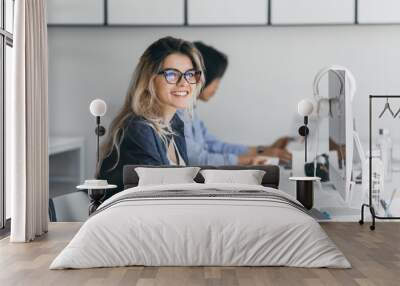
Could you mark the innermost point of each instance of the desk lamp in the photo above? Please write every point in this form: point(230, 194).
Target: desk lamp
point(98, 108)
point(305, 108)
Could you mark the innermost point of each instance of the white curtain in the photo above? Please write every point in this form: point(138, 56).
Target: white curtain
point(27, 124)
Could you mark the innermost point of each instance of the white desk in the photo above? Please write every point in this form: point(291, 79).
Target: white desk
point(326, 199)
point(62, 146)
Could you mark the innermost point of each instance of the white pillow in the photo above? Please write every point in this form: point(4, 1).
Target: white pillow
point(248, 177)
point(162, 176)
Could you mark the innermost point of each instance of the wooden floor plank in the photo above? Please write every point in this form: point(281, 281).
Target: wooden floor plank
point(375, 257)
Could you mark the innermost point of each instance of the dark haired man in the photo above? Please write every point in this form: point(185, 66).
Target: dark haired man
point(204, 148)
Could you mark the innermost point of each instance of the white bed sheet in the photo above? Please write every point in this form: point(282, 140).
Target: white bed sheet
point(200, 231)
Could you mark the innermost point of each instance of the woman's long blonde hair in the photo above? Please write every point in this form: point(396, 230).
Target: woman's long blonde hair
point(141, 99)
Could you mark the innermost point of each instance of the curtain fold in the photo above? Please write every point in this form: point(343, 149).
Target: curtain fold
point(27, 123)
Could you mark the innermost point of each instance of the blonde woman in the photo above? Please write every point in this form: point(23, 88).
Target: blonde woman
point(147, 130)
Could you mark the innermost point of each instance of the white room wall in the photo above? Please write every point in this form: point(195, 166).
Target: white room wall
point(270, 70)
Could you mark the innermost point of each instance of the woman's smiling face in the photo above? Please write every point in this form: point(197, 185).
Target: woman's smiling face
point(178, 95)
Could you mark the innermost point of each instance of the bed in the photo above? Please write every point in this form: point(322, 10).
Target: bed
point(198, 224)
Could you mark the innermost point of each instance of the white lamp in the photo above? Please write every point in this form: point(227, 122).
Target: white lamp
point(98, 108)
point(305, 108)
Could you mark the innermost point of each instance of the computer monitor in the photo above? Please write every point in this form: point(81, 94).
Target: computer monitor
point(341, 133)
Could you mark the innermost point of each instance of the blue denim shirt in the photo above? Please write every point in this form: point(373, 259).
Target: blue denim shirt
point(203, 148)
point(141, 145)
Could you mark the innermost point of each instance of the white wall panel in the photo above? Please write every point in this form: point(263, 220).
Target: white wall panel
point(378, 11)
point(227, 12)
point(149, 12)
point(75, 11)
point(292, 12)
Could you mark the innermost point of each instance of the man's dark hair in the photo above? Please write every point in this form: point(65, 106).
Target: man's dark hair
point(215, 62)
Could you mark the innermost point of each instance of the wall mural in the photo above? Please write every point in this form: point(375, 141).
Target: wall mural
point(324, 165)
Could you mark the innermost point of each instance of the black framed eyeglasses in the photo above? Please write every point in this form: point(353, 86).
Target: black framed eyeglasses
point(174, 76)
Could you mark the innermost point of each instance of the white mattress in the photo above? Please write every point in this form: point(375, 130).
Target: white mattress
point(189, 231)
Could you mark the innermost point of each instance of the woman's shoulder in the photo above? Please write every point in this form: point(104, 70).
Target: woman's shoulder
point(138, 126)
point(134, 121)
